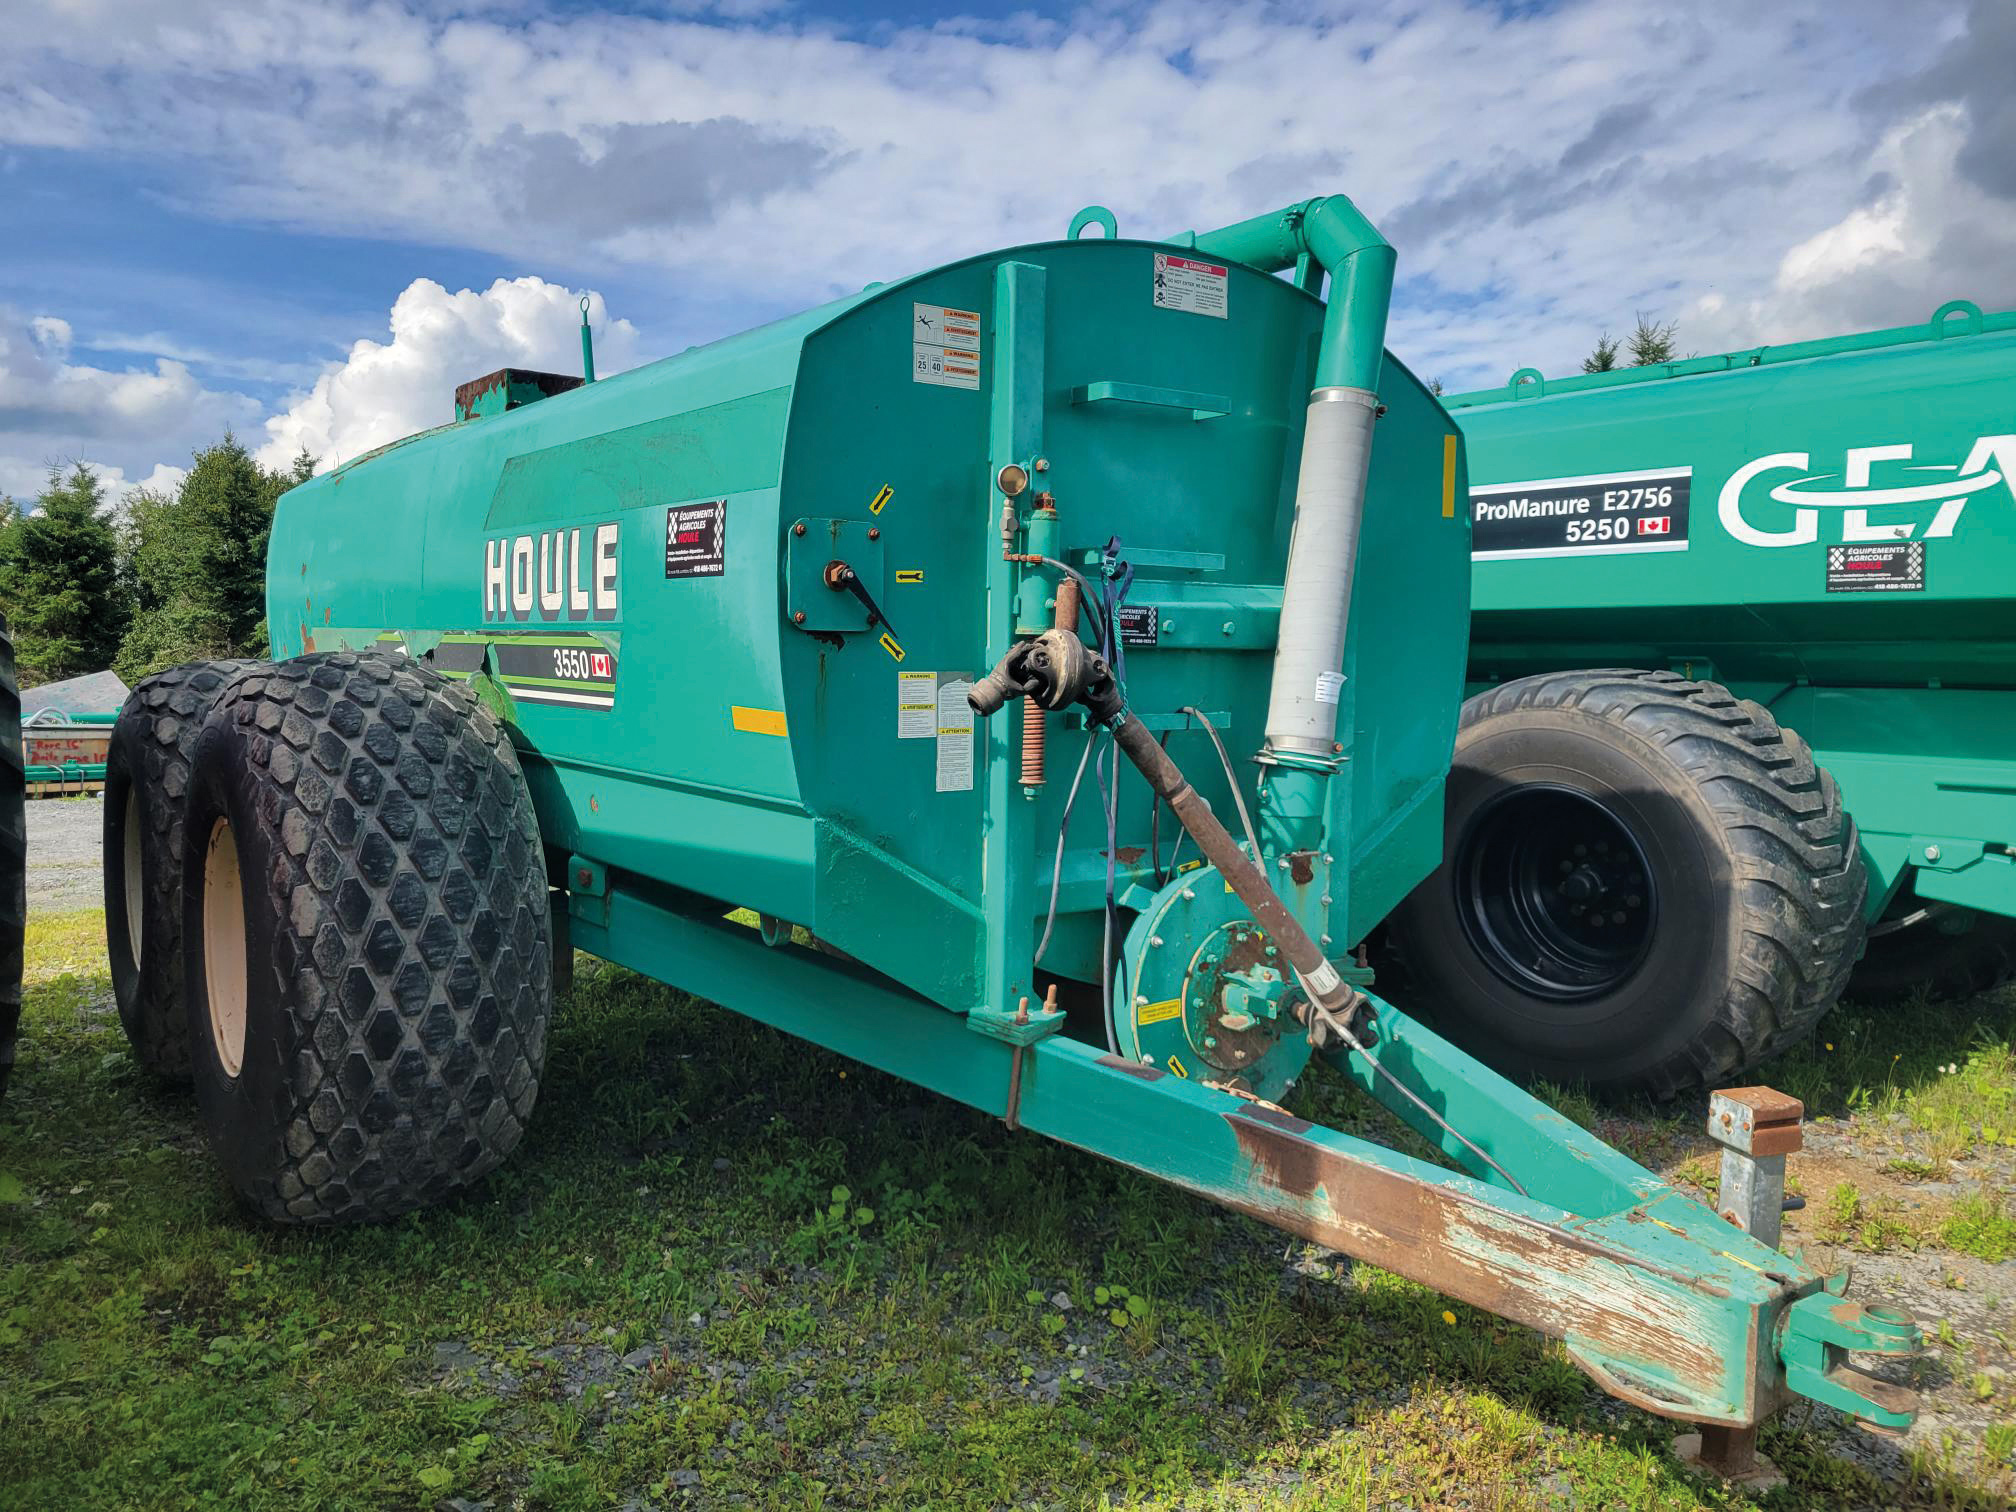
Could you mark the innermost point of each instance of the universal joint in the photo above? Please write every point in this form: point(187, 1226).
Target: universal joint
point(1056, 669)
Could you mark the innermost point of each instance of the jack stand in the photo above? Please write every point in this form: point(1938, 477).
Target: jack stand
point(1756, 1128)
point(1728, 1454)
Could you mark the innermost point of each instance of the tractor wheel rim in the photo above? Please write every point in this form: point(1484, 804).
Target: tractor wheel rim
point(1554, 893)
point(133, 891)
point(224, 948)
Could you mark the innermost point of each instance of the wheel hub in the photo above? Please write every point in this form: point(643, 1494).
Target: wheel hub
point(1555, 893)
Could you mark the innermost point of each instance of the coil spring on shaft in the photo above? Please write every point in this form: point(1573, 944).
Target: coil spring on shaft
point(1035, 743)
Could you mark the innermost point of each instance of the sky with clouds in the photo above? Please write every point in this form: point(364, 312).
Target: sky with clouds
point(307, 220)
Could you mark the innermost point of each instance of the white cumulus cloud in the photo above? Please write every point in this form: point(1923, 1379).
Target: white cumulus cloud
point(388, 389)
point(1924, 234)
point(55, 411)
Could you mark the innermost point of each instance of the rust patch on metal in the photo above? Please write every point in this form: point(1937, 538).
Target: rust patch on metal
point(1302, 867)
point(1132, 1068)
point(1127, 855)
point(547, 385)
point(1546, 1276)
point(1281, 1118)
point(466, 394)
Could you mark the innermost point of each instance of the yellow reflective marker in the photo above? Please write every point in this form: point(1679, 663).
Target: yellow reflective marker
point(889, 644)
point(1157, 1013)
point(910, 575)
point(758, 721)
point(875, 504)
point(1449, 476)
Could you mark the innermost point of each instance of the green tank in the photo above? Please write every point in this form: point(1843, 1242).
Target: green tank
point(880, 674)
point(1799, 557)
point(633, 572)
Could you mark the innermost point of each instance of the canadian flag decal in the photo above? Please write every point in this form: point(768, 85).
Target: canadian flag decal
point(1656, 525)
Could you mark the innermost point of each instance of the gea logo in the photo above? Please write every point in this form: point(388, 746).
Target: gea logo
point(1945, 488)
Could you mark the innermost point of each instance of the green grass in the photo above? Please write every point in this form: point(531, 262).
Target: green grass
point(870, 1271)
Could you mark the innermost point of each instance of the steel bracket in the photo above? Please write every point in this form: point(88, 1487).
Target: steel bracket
point(1814, 1339)
point(1018, 1028)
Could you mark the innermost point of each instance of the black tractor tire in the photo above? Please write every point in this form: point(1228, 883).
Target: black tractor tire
point(13, 855)
point(1647, 885)
point(146, 782)
point(367, 974)
point(1941, 949)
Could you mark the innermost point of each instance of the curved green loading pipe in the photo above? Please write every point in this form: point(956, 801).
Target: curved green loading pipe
point(1303, 699)
point(1360, 261)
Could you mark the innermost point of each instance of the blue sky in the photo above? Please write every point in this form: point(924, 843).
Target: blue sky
point(307, 219)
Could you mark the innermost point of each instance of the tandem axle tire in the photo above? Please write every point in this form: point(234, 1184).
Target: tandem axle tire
point(1646, 884)
point(146, 783)
point(368, 982)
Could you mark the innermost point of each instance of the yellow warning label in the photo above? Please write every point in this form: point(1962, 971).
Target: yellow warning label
point(1158, 1013)
point(758, 721)
point(1449, 476)
point(889, 644)
point(910, 575)
point(1177, 1068)
point(875, 505)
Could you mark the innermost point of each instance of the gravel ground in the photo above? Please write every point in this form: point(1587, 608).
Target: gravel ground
point(64, 836)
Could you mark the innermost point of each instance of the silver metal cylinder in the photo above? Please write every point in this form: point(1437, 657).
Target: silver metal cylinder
point(1322, 559)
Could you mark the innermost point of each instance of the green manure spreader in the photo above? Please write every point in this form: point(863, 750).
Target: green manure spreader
point(925, 628)
point(1743, 660)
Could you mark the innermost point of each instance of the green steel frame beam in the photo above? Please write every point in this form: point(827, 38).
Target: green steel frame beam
point(1664, 1304)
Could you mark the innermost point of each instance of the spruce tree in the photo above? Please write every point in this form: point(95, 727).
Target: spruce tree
point(198, 560)
point(1651, 343)
point(1604, 358)
point(61, 587)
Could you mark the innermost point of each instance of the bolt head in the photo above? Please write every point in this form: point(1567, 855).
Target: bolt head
point(798, 529)
point(798, 618)
point(1042, 464)
point(874, 532)
point(584, 876)
point(1931, 853)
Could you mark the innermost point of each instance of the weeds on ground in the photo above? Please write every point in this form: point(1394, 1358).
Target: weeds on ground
point(728, 1266)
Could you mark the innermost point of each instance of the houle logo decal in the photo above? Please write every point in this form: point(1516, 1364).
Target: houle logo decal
point(567, 574)
point(1903, 495)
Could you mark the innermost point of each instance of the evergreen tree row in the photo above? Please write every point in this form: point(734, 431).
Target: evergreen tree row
point(180, 577)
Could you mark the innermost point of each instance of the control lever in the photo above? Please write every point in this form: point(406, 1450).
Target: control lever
point(844, 579)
